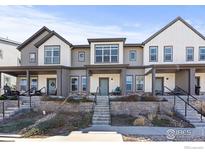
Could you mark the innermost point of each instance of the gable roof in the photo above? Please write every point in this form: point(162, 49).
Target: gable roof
point(170, 24)
point(52, 33)
point(39, 32)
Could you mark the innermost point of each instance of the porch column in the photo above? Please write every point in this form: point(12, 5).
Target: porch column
point(88, 81)
point(153, 80)
point(122, 81)
point(59, 82)
point(192, 81)
point(28, 79)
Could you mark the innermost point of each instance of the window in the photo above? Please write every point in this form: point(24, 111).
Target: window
point(81, 56)
point(23, 83)
point(32, 57)
point(139, 83)
point(189, 54)
point(74, 83)
point(84, 83)
point(52, 54)
point(168, 54)
point(153, 51)
point(128, 83)
point(34, 83)
point(7, 80)
point(106, 53)
point(202, 53)
point(132, 55)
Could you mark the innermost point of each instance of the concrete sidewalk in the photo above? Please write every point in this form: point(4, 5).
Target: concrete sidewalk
point(149, 131)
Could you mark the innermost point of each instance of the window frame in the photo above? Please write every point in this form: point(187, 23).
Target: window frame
point(85, 83)
point(199, 53)
point(136, 83)
point(52, 55)
point(71, 77)
point(150, 53)
point(81, 52)
point(131, 83)
point(130, 52)
point(187, 54)
point(171, 47)
point(30, 61)
point(103, 55)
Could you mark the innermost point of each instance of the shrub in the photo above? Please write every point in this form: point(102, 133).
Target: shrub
point(140, 121)
point(33, 132)
point(3, 97)
point(161, 122)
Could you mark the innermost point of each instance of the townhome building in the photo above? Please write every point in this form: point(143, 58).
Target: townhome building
point(173, 56)
point(9, 56)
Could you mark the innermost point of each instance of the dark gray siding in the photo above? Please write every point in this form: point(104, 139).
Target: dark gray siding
point(74, 57)
point(139, 57)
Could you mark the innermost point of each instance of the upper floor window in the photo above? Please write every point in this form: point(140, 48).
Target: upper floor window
point(84, 83)
point(32, 57)
point(81, 56)
point(52, 54)
point(168, 53)
point(106, 53)
point(74, 83)
point(153, 53)
point(132, 55)
point(129, 79)
point(189, 54)
point(201, 53)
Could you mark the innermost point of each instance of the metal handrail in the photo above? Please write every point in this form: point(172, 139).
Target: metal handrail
point(95, 98)
point(187, 93)
point(186, 103)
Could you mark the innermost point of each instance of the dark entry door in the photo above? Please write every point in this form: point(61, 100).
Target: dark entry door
point(51, 86)
point(104, 86)
point(159, 86)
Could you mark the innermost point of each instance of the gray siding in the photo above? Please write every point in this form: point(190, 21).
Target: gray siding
point(31, 48)
point(182, 79)
point(74, 57)
point(139, 57)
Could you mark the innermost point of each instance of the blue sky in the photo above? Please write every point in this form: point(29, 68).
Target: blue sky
point(77, 23)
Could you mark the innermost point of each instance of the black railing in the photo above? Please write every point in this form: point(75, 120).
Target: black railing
point(185, 101)
point(96, 93)
point(186, 93)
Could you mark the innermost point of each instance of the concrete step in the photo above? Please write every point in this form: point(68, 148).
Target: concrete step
point(101, 119)
point(101, 122)
point(199, 124)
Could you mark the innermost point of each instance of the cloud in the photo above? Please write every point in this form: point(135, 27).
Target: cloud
point(20, 22)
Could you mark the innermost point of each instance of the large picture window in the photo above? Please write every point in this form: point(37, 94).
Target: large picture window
point(153, 53)
point(139, 83)
point(52, 54)
point(168, 53)
point(129, 79)
point(106, 53)
point(74, 84)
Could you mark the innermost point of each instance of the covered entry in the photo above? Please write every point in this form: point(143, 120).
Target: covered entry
point(104, 86)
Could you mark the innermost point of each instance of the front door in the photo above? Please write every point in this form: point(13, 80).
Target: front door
point(159, 84)
point(51, 86)
point(104, 86)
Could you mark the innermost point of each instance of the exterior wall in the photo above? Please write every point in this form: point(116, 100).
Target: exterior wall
point(10, 55)
point(74, 57)
point(179, 36)
point(202, 81)
point(65, 51)
point(139, 56)
point(42, 80)
point(92, 52)
point(31, 48)
point(182, 79)
point(94, 81)
point(169, 81)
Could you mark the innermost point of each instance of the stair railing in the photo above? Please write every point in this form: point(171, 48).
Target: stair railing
point(186, 103)
point(96, 93)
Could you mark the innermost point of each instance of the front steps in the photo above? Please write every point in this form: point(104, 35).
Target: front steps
point(101, 114)
point(192, 116)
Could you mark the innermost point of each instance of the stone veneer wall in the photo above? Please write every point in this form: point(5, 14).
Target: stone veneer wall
point(52, 106)
point(139, 108)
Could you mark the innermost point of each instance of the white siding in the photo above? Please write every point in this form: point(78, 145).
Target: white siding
point(179, 36)
point(92, 52)
point(94, 81)
point(65, 51)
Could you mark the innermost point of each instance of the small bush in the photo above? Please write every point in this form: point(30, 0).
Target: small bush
point(32, 132)
point(161, 122)
point(140, 121)
point(3, 97)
